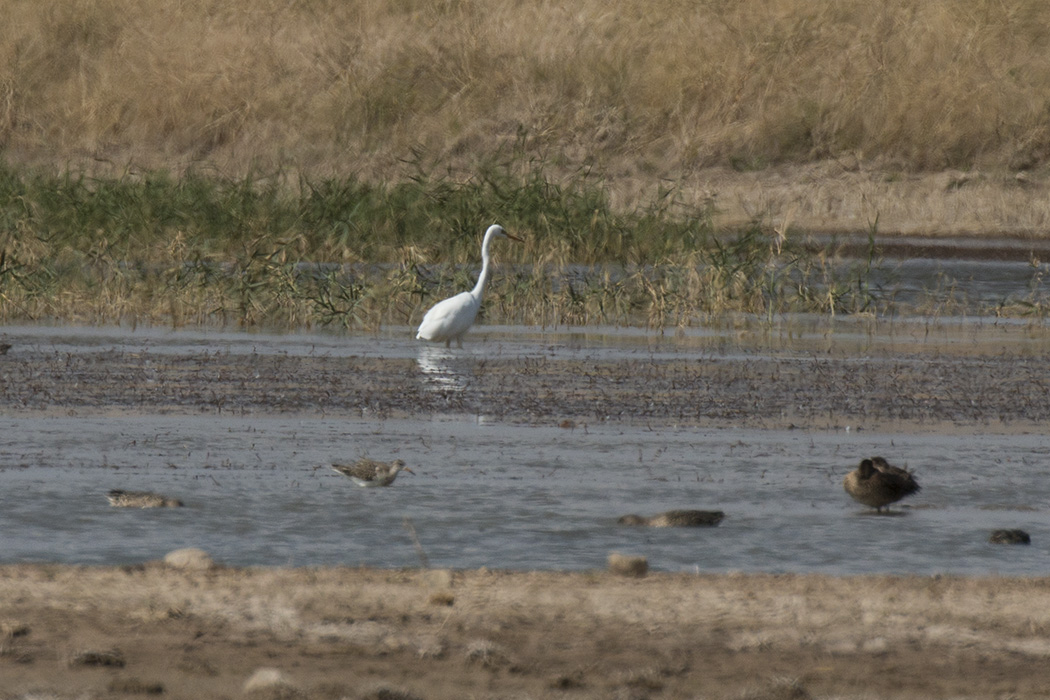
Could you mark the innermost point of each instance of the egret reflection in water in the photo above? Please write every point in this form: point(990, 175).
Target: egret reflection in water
point(443, 370)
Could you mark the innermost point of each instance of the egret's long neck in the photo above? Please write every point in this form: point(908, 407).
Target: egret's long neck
point(484, 276)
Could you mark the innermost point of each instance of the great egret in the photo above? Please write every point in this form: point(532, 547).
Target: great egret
point(451, 318)
point(368, 472)
point(877, 484)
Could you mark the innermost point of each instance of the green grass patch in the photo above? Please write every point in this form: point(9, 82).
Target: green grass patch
point(280, 252)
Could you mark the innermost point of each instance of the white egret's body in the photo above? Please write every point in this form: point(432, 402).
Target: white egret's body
point(451, 318)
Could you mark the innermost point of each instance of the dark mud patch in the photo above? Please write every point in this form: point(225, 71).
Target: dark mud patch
point(1006, 391)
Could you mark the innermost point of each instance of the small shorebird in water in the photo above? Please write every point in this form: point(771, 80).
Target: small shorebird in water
point(877, 483)
point(676, 518)
point(368, 472)
point(141, 499)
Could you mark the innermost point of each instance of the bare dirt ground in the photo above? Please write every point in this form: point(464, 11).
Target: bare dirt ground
point(72, 632)
point(335, 633)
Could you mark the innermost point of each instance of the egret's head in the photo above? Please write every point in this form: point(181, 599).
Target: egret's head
point(497, 231)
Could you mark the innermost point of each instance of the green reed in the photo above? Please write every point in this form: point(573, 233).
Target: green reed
point(287, 252)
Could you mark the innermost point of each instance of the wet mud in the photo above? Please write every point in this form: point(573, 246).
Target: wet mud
point(997, 390)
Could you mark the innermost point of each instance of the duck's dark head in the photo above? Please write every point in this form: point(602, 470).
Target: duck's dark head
point(866, 468)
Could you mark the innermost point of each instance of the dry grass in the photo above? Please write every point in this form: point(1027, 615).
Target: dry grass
point(640, 90)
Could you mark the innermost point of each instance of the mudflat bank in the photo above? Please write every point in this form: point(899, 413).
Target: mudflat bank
point(360, 633)
point(979, 380)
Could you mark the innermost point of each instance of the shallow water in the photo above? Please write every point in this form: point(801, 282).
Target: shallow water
point(487, 493)
point(258, 492)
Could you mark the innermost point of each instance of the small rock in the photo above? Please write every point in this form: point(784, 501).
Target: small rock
point(445, 598)
point(780, 689)
point(567, 681)
point(106, 657)
point(264, 678)
point(135, 686)
point(11, 629)
point(627, 565)
point(1010, 537)
point(271, 683)
point(383, 692)
point(189, 558)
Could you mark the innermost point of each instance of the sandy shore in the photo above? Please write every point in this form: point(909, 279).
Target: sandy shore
point(357, 633)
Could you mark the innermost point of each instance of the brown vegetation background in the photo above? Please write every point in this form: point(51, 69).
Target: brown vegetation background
point(644, 89)
point(921, 117)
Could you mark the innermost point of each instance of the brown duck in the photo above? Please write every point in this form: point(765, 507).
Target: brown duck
point(877, 483)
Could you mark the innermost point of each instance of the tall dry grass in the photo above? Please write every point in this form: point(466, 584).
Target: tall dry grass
point(651, 89)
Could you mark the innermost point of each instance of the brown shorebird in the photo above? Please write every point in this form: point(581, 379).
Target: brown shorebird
point(877, 483)
point(368, 472)
point(676, 518)
point(141, 499)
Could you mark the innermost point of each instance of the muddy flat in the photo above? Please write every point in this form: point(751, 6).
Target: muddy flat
point(144, 627)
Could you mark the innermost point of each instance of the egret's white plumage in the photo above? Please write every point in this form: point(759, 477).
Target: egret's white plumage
point(451, 318)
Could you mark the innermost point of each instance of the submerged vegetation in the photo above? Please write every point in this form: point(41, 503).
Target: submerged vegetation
point(260, 251)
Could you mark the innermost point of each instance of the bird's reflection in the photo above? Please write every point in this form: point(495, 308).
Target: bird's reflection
point(443, 370)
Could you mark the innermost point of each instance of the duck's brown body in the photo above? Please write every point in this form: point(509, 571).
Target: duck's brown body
point(877, 483)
